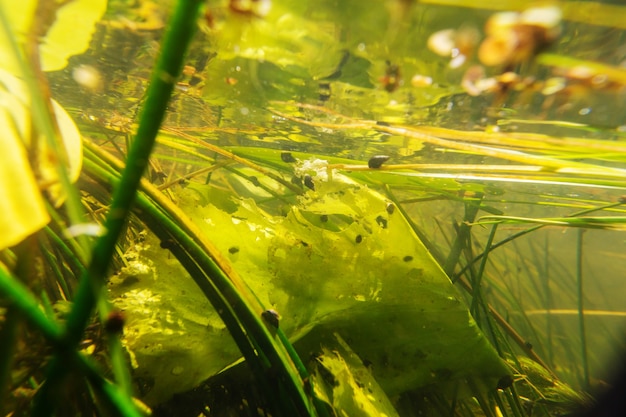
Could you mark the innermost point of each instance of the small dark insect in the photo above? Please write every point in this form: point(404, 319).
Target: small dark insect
point(377, 161)
point(358, 239)
point(390, 208)
point(528, 345)
point(407, 258)
point(114, 323)
point(271, 316)
point(382, 222)
point(308, 181)
point(287, 157)
point(323, 218)
point(381, 123)
point(233, 250)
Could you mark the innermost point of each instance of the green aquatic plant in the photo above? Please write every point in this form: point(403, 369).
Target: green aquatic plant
point(299, 246)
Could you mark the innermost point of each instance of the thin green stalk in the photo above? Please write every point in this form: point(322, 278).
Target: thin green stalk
point(498, 400)
point(23, 300)
point(115, 397)
point(581, 312)
point(168, 68)
point(53, 263)
point(476, 283)
point(471, 210)
point(532, 229)
point(478, 394)
point(513, 398)
point(119, 364)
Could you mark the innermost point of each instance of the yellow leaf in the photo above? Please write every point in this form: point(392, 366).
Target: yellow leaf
point(21, 204)
point(71, 32)
point(69, 35)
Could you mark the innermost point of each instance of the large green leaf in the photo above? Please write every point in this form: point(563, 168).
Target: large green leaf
point(340, 261)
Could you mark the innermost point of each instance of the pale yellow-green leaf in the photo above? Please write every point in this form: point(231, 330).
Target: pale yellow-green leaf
point(21, 204)
point(41, 154)
point(69, 35)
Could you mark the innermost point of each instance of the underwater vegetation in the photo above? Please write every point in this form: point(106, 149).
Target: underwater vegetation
point(292, 208)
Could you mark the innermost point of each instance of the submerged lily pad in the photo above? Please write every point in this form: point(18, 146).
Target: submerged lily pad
point(383, 293)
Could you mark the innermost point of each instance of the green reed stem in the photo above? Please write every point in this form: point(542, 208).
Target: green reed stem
point(168, 68)
point(23, 300)
point(471, 210)
point(476, 295)
point(53, 263)
point(581, 311)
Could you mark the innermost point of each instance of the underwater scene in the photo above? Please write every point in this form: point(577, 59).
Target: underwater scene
point(312, 208)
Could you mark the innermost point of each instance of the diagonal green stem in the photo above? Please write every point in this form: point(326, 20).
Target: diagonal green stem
point(168, 68)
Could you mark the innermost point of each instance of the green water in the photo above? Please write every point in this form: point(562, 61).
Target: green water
point(339, 81)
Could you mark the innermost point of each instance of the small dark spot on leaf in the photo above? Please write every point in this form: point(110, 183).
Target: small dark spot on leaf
point(233, 250)
point(323, 218)
point(382, 222)
point(407, 258)
point(308, 181)
point(296, 181)
point(377, 161)
point(381, 123)
point(390, 208)
point(287, 157)
point(358, 239)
